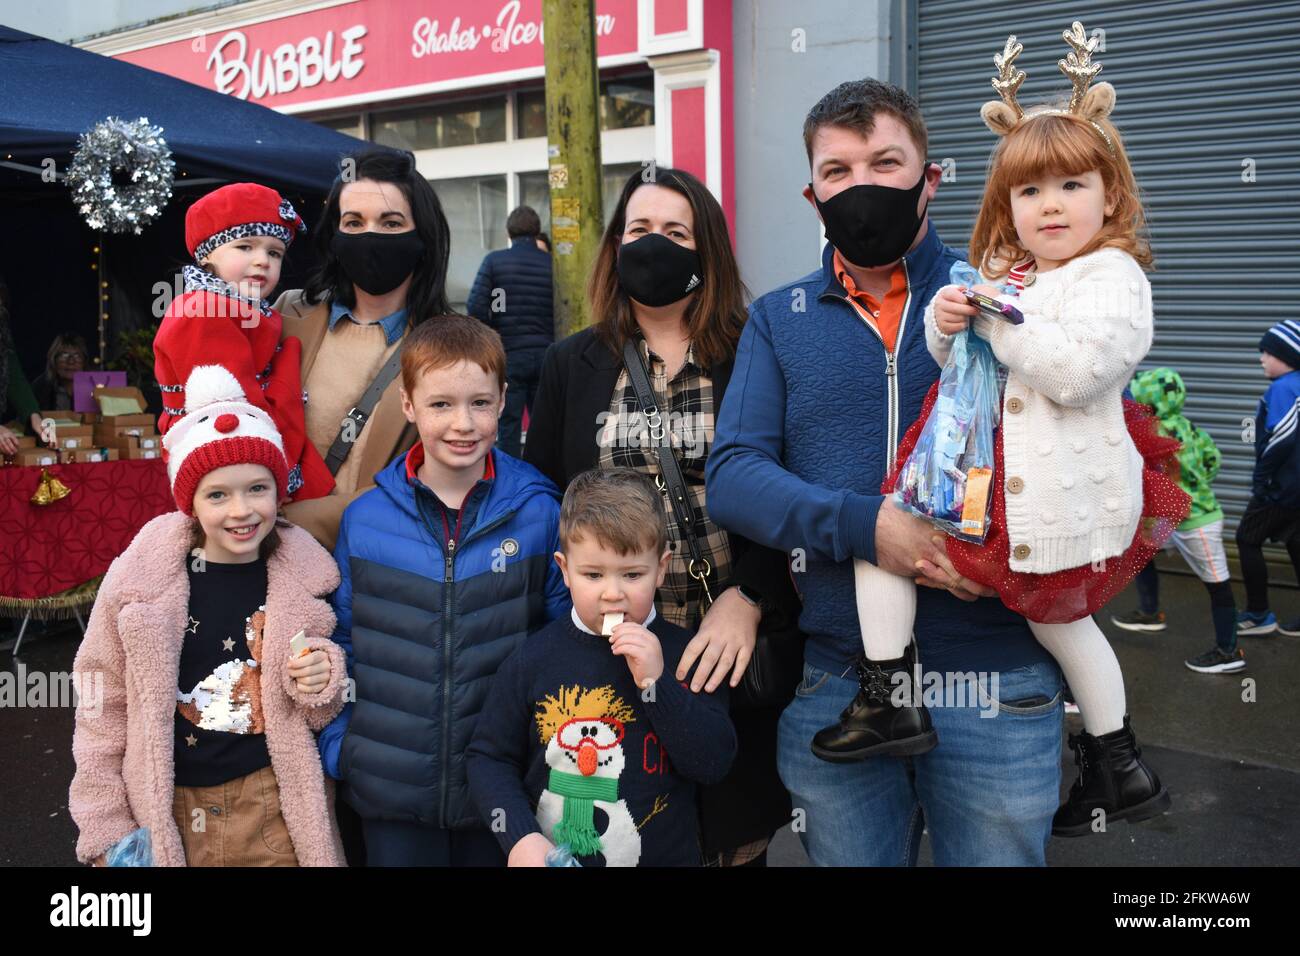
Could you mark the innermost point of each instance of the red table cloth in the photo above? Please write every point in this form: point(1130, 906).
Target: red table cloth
point(45, 549)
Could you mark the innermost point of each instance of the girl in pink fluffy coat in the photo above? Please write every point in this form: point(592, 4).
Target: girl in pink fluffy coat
point(211, 642)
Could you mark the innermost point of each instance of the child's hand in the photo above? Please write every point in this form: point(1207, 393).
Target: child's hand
point(530, 851)
point(645, 656)
point(951, 310)
point(311, 672)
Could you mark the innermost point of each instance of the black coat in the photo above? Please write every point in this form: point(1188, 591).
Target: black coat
point(578, 379)
point(522, 274)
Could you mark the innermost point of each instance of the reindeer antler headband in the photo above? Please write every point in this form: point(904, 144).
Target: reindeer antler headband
point(1002, 116)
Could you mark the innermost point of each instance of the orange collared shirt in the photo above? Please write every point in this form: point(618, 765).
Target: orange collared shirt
point(884, 316)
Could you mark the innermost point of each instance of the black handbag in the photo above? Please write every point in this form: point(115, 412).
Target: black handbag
point(776, 666)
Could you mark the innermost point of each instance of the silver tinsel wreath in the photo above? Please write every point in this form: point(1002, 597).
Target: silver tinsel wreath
point(134, 148)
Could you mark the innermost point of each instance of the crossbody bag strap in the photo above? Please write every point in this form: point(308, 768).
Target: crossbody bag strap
point(670, 470)
point(355, 420)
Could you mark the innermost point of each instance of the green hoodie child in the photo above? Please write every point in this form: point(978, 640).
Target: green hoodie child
point(1162, 389)
point(1199, 539)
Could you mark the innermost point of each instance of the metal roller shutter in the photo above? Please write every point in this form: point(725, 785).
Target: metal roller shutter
point(1208, 98)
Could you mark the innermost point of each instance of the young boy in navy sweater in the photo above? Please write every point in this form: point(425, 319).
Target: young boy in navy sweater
point(445, 565)
point(1274, 507)
point(586, 739)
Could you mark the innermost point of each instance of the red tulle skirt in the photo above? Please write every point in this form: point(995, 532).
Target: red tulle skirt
point(1073, 593)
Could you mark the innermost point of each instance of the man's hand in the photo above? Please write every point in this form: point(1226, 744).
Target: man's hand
point(910, 546)
point(645, 657)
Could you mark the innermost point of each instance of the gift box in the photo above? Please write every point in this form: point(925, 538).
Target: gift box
point(136, 454)
point(62, 417)
point(108, 434)
point(86, 455)
point(74, 436)
point(117, 402)
point(126, 443)
point(36, 456)
point(143, 418)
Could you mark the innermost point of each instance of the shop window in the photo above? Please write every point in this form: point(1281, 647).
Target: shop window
point(476, 212)
point(351, 125)
point(533, 190)
point(624, 103)
point(464, 123)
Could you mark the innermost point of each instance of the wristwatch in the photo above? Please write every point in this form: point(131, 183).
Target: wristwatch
point(750, 596)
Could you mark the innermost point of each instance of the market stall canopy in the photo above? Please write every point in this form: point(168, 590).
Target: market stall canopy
point(59, 270)
point(51, 93)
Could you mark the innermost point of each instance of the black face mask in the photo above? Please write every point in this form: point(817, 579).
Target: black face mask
point(872, 225)
point(377, 262)
point(656, 271)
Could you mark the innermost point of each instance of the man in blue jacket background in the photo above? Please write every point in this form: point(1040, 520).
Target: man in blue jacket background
point(831, 370)
point(512, 294)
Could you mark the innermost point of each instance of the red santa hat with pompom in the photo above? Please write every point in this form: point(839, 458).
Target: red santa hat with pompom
point(219, 428)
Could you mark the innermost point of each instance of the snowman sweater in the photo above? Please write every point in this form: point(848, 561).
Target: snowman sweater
point(568, 746)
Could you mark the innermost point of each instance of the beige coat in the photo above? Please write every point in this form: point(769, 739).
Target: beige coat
point(386, 435)
point(123, 742)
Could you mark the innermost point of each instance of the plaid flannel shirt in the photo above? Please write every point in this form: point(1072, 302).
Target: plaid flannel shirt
point(686, 404)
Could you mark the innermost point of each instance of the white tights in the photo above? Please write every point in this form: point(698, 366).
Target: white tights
point(887, 610)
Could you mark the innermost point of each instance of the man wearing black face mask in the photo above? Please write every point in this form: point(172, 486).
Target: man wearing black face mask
point(830, 371)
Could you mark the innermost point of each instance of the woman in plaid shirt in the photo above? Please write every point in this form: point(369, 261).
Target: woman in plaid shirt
point(666, 278)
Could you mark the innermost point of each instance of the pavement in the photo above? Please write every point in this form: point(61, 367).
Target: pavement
point(1230, 758)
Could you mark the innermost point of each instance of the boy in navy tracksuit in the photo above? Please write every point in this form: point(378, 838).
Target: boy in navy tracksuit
point(587, 740)
point(1274, 508)
point(446, 566)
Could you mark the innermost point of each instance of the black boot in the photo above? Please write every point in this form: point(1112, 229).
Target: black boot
point(872, 725)
point(1112, 777)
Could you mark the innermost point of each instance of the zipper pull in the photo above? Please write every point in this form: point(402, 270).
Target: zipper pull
point(451, 553)
point(890, 362)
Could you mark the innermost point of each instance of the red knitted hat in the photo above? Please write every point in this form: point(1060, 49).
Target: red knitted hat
point(220, 429)
point(238, 211)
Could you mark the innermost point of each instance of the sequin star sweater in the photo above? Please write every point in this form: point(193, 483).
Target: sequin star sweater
point(1073, 478)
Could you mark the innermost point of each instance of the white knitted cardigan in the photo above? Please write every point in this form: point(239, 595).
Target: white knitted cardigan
point(1072, 477)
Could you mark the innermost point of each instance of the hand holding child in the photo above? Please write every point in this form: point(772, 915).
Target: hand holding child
point(645, 657)
point(311, 672)
point(951, 310)
point(530, 851)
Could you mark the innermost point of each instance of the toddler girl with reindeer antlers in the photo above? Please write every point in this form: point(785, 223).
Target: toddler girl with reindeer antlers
point(1080, 502)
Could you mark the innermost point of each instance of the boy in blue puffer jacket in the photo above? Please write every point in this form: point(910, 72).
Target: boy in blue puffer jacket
point(446, 566)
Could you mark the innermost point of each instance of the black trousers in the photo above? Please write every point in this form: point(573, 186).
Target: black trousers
point(1264, 522)
point(523, 372)
point(391, 843)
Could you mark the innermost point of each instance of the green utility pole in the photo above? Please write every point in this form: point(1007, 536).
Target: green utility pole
point(573, 145)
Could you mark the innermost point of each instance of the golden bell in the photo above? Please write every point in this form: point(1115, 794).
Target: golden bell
point(50, 489)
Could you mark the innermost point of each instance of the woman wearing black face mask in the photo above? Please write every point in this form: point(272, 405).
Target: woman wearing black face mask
point(666, 279)
point(382, 245)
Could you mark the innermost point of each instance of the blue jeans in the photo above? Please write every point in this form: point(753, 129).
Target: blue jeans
point(987, 793)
